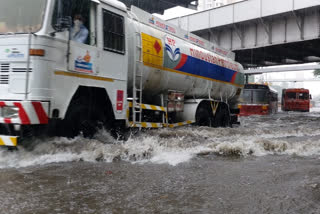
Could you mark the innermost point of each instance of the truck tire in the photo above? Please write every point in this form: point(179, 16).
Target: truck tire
point(204, 116)
point(89, 110)
point(222, 118)
point(80, 120)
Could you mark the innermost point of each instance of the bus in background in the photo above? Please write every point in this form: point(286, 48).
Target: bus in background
point(258, 99)
point(295, 99)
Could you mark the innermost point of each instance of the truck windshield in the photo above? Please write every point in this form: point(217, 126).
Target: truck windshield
point(254, 96)
point(291, 95)
point(303, 96)
point(246, 96)
point(260, 97)
point(21, 16)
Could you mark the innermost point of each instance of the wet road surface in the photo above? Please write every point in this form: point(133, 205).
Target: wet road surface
point(269, 164)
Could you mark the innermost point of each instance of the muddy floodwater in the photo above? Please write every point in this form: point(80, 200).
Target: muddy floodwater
point(268, 164)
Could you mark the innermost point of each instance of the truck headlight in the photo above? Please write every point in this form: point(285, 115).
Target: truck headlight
point(9, 112)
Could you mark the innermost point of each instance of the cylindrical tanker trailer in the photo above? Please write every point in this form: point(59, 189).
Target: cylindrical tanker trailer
point(180, 65)
point(71, 66)
point(171, 59)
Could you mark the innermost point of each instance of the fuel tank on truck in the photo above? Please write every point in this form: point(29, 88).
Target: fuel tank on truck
point(173, 59)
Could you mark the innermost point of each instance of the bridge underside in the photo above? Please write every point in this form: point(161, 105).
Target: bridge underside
point(288, 53)
point(159, 6)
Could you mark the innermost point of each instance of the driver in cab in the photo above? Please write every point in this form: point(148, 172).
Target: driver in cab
point(79, 32)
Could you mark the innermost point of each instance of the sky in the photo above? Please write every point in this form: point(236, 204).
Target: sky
point(175, 12)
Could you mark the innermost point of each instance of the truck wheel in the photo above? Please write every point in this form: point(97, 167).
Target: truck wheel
point(80, 120)
point(204, 115)
point(222, 118)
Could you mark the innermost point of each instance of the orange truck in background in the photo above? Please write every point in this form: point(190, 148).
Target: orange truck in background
point(295, 99)
point(258, 99)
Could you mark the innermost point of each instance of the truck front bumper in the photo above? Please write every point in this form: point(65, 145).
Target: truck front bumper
point(15, 114)
point(11, 141)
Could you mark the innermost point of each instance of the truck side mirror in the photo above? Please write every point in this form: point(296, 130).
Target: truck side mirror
point(310, 97)
point(63, 23)
point(62, 15)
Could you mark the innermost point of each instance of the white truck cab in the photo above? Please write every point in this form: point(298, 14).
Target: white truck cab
point(42, 69)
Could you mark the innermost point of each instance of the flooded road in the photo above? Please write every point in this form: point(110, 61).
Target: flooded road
point(268, 164)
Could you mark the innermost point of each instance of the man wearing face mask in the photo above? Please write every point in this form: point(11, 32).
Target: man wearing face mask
point(79, 32)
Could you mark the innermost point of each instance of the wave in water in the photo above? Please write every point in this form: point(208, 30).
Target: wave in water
point(282, 134)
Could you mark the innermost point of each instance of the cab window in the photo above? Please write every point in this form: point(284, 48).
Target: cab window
point(113, 32)
point(291, 95)
point(81, 16)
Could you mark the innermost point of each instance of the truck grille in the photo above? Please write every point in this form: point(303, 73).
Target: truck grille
point(6, 68)
point(21, 69)
point(4, 79)
point(4, 73)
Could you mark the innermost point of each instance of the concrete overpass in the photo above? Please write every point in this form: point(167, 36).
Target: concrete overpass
point(262, 32)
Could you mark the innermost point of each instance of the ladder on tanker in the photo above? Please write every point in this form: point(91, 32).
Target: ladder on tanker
point(137, 82)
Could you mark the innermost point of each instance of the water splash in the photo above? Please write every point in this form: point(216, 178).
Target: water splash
point(282, 134)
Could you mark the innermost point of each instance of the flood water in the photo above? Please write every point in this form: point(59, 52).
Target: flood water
point(268, 164)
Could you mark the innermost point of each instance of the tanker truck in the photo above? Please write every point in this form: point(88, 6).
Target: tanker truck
point(133, 70)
